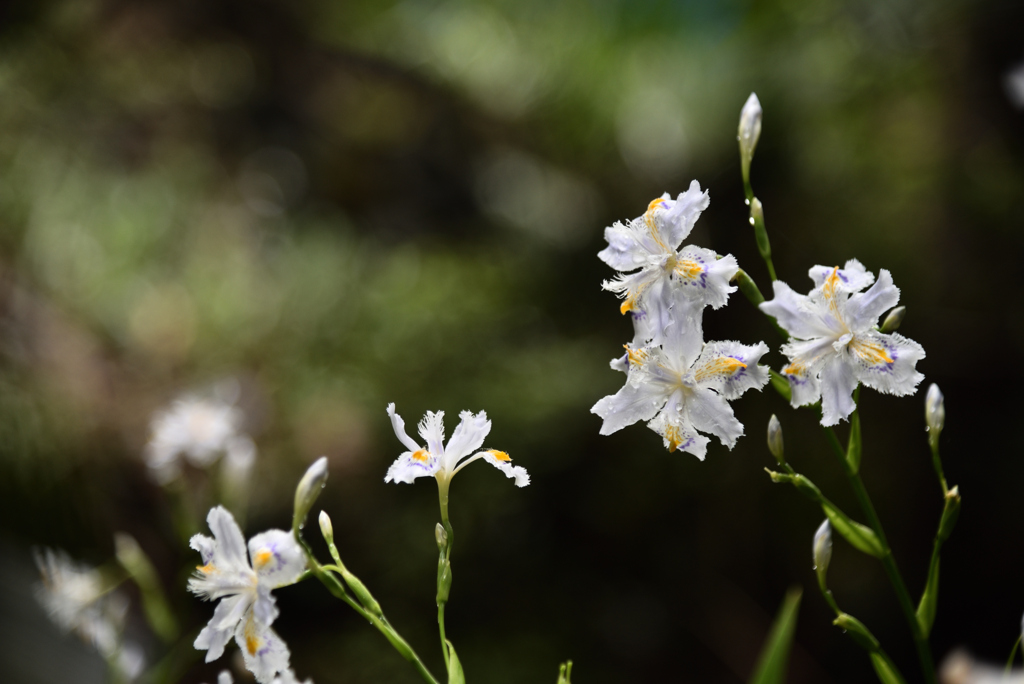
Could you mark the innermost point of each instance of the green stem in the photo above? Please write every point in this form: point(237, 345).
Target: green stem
point(937, 464)
point(888, 561)
point(440, 628)
point(444, 566)
point(335, 587)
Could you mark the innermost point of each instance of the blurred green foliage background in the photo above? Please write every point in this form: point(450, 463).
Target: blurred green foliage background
point(343, 204)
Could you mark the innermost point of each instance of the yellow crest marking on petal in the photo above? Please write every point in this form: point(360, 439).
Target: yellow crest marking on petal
point(795, 368)
point(687, 268)
point(723, 365)
point(649, 221)
point(500, 455)
point(871, 353)
point(263, 557)
point(206, 569)
point(252, 641)
point(422, 456)
point(636, 357)
point(673, 437)
point(830, 288)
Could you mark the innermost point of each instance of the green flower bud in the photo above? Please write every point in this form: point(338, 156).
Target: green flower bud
point(822, 551)
point(893, 320)
point(934, 413)
point(326, 528)
point(308, 490)
point(775, 440)
point(444, 580)
point(749, 132)
point(441, 537)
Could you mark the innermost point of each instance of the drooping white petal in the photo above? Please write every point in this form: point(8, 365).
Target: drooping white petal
point(837, 385)
point(704, 278)
point(431, 430)
point(264, 652)
point(886, 362)
point(399, 427)
point(731, 368)
point(264, 608)
point(413, 464)
point(629, 405)
point(709, 412)
point(501, 461)
point(807, 357)
point(677, 432)
point(219, 630)
point(864, 308)
point(853, 277)
point(277, 558)
point(794, 312)
point(467, 437)
point(625, 252)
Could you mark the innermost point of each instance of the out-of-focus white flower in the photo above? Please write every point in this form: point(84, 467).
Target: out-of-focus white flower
point(683, 390)
point(672, 285)
point(199, 428)
point(835, 344)
point(77, 599)
point(441, 461)
point(242, 584)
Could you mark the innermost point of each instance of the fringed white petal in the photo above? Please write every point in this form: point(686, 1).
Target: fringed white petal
point(264, 652)
point(502, 462)
point(431, 430)
point(837, 385)
point(887, 363)
point(853, 277)
point(411, 465)
point(467, 437)
point(864, 308)
point(709, 412)
point(630, 404)
point(399, 427)
point(731, 368)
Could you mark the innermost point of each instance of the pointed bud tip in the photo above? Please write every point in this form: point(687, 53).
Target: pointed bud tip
point(326, 527)
point(775, 444)
point(893, 320)
point(935, 409)
point(822, 550)
point(308, 490)
point(750, 128)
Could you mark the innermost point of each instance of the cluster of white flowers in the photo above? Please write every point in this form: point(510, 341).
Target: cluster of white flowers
point(835, 343)
point(441, 461)
point(675, 381)
point(77, 599)
point(200, 429)
point(242, 583)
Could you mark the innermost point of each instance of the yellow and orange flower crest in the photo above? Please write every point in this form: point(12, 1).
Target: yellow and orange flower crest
point(722, 366)
point(500, 455)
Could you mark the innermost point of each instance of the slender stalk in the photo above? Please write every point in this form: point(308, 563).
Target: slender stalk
point(1009, 661)
point(444, 565)
point(937, 464)
point(337, 589)
point(924, 654)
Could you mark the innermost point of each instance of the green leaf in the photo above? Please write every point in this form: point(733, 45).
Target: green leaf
point(455, 674)
point(929, 599)
point(886, 669)
point(771, 664)
point(861, 537)
point(154, 604)
point(781, 385)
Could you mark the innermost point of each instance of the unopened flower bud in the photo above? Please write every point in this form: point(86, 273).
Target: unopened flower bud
point(308, 490)
point(934, 412)
point(748, 133)
point(775, 440)
point(326, 527)
point(441, 537)
point(893, 320)
point(822, 551)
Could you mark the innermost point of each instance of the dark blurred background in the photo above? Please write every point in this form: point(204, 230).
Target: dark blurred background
point(343, 204)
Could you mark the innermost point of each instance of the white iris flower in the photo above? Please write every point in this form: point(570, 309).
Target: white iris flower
point(242, 584)
point(441, 461)
point(682, 390)
point(669, 279)
point(835, 344)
